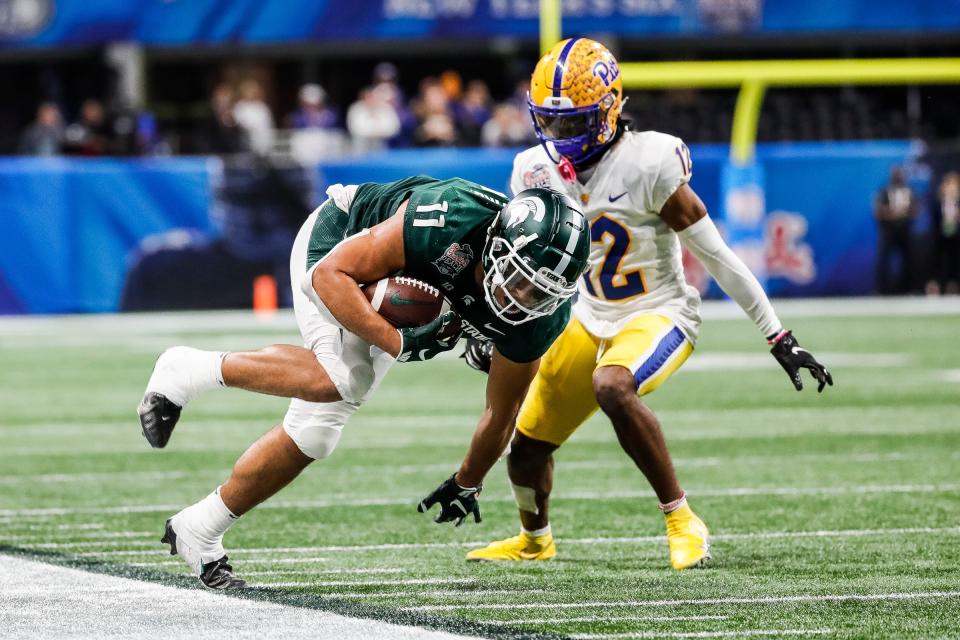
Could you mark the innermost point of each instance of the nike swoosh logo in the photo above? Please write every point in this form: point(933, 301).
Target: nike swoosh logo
point(615, 198)
point(797, 351)
point(395, 299)
point(492, 328)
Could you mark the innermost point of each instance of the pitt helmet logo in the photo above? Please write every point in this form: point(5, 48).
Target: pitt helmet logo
point(606, 71)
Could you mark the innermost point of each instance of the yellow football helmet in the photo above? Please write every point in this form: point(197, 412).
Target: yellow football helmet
point(576, 95)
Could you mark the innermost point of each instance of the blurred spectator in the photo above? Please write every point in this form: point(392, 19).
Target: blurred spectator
point(313, 113)
point(372, 120)
point(44, 137)
point(221, 133)
point(946, 233)
point(315, 131)
point(509, 127)
point(521, 92)
point(895, 208)
point(472, 112)
point(452, 85)
point(385, 80)
point(90, 134)
point(435, 120)
point(253, 116)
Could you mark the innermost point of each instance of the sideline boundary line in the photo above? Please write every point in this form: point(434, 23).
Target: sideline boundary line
point(297, 599)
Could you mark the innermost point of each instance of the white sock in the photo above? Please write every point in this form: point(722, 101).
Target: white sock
point(205, 523)
point(537, 532)
point(183, 372)
point(674, 505)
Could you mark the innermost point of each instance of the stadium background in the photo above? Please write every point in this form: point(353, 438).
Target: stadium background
point(833, 515)
point(197, 180)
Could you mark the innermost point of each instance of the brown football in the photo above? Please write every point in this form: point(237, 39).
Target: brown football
point(404, 302)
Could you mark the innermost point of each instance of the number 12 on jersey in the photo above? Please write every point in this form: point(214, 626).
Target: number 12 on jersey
point(614, 284)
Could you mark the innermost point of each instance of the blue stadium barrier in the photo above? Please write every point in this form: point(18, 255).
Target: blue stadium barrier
point(231, 22)
point(69, 227)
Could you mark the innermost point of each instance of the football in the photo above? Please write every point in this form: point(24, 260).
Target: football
point(404, 302)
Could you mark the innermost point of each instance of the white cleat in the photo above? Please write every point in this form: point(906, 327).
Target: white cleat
point(213, 574)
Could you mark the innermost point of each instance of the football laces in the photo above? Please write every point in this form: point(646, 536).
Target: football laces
point(419, 284)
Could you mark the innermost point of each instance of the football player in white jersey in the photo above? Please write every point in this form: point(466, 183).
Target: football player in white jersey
point(636, 319)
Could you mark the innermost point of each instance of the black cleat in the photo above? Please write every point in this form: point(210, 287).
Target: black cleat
point(219, 575)
point(170, 537)
point(216, 575)
point(158, 417)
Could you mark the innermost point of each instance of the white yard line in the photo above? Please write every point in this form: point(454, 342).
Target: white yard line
point(435, 594)
point(604, 619)
point(414, 440)
point(760, 535)
point(352, 501)
point(45, 478)
point(97, 537)
point(43, 601)
point(301, 571)
point(757, 361)
point(741, 633)
point(369, 583)
point(135, 325)
point(692, 461)
point(950, 375)
point(838, 597)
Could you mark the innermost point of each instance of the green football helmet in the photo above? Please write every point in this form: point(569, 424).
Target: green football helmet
point(537, 248)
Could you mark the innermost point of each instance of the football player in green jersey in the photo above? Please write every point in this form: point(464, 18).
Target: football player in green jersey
point(508, 269)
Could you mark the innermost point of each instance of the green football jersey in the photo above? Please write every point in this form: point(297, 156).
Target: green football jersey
point(444, 234)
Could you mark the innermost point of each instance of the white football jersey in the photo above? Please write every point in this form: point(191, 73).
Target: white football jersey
point(636, 263)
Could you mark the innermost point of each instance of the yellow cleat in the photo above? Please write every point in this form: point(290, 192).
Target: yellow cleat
point(521, 547)
point(688, 537)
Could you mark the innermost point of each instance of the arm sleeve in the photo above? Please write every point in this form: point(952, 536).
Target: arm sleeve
point(704, 241)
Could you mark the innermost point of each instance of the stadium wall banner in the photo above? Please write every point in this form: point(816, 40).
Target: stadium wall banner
point(190, 22)
point(71, 229)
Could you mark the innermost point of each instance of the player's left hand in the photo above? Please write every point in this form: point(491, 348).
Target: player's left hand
point(792, 357)
point(431, 339)
point(456, 502)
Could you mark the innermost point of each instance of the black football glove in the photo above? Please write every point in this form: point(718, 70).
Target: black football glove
point(456, 502)
point(792, 357)
point(431, 339)
point(478, 354)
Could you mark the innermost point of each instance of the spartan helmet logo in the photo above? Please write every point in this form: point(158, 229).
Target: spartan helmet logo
point(518, 211)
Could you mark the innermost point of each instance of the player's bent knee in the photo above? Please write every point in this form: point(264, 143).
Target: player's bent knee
point(614, 387)
point(316, 428)
point(527, 453)
point(315, 442)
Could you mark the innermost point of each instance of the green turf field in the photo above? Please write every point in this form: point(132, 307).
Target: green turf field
point(834, 515)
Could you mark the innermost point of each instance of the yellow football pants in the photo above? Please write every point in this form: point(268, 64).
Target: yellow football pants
point(561, 396)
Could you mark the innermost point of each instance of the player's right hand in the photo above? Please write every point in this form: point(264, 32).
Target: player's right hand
point(431, 339)
point(456, 502)
point(792, 357)
point(478, 354)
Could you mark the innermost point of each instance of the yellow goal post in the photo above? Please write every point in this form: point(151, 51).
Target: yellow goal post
point(753, 77)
